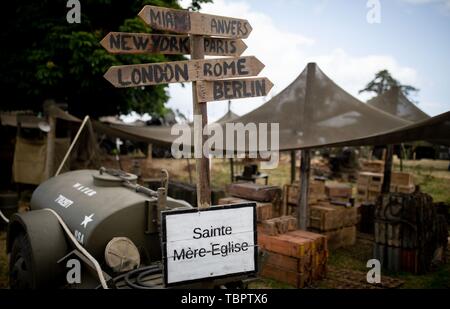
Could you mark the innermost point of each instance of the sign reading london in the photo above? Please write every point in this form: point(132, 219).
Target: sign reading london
point(182, 21)
point(211, 243)
point(182, 71)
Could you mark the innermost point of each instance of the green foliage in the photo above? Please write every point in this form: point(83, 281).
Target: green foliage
point(46, 57)
point(384, 81)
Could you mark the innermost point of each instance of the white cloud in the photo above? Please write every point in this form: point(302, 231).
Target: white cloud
point(444, 5)
point(353, 73)
point(286, 54)
point(283, 54)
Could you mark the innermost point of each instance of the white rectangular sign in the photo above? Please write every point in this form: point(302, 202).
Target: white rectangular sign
point(216, 242)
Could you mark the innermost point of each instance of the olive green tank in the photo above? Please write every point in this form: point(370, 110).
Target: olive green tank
point(98, 206)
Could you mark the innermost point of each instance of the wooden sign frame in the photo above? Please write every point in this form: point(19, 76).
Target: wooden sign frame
point(183, 21)
point(130, 43)
point(165, 214)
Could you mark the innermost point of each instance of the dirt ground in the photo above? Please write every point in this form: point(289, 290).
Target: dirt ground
point(432, 176)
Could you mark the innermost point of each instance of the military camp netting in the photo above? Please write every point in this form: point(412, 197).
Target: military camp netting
point(396, 103)
point(314, 112)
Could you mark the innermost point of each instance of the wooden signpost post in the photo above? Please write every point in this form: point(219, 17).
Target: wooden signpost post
point(212, 80)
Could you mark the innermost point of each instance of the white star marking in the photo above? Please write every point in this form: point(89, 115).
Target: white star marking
point(86, 220)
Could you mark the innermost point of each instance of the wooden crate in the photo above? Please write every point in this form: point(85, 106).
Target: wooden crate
point(279, 225)
point(264, 211)
point(367, 178)
point(372, 196)
point(338, 190)
point(255, 192)
point(298, 280)
point(316, 192)
point(406, 189)
point(402, 179)
point(339, 238)
point(286, 245)
point(296, 258)
point(374, 166)
point(298, 265)
point(327, 217)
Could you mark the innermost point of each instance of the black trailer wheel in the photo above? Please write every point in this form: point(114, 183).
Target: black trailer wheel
point(20, 264)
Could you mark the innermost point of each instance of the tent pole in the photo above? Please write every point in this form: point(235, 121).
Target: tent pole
point(388, 169)
point(303, 211)
point(293, 162)
point(50, 159)
point(189, 170)
point(306, 115)
point(232, 169)
point(200, 110)
point(402, 154)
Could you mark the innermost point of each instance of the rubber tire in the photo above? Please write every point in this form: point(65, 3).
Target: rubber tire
point(21, 264)
point(8, 198)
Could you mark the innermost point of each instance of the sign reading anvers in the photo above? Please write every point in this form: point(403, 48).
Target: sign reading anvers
point(182, 21)
point(215, 242)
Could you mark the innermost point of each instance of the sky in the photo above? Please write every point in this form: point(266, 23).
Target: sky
point(411, 40)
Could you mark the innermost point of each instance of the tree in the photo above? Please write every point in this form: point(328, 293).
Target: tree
point(384, 81)
point(43, 56)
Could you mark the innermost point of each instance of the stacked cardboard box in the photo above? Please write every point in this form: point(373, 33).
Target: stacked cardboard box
point(296, 258)
point(369, 186)
point(402, 183)
point(264, 211)
point(337, 223)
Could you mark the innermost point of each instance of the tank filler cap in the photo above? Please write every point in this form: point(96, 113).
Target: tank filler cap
point(122, 255)
point(112, 178)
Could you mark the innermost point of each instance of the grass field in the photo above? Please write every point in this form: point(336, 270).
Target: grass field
point(432, 176)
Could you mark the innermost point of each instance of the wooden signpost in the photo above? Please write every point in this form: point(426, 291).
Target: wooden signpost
point(181, 21)
point(182, 71)
point(143, 43)
point(201, 34)
point(231, 228)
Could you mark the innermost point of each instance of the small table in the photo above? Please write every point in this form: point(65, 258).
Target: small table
point(253, 178)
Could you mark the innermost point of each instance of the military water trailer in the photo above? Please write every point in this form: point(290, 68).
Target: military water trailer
point(101, 217)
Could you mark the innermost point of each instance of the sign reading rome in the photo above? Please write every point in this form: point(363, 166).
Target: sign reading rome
point(182, 71)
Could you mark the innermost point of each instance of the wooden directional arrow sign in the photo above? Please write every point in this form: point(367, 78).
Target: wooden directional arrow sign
point(230, 89)
point(142, 43)
point(182, 71)
point(182, 21)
